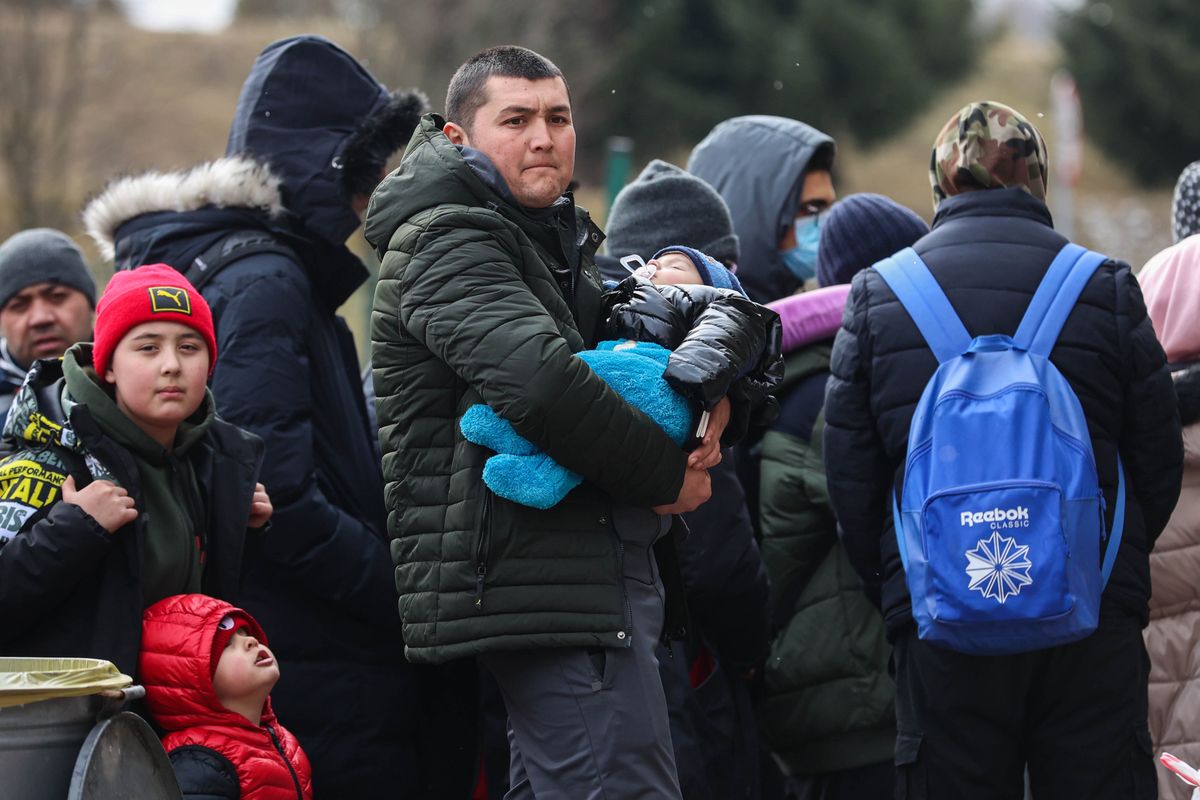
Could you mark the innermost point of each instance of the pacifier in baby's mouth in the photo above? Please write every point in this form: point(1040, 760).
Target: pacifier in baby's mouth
point(643, 270)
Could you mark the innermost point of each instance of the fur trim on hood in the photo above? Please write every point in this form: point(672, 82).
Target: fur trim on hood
point(231, 182)
point(378, 137)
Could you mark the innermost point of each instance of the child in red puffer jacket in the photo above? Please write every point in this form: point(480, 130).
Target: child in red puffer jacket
point(208, 676)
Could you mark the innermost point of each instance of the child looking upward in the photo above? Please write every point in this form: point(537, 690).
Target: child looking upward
point(208, 675)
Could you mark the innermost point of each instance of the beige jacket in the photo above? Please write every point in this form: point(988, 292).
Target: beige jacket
point(1173, 636)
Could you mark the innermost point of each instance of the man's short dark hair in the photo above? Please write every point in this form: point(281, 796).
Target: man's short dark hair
point(467, 92)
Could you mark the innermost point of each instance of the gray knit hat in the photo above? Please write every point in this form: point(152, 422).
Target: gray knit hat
point(43, 255)
point(1185, 205)
point(666, 205)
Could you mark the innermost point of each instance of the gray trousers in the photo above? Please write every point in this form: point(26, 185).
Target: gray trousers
point(589, 724)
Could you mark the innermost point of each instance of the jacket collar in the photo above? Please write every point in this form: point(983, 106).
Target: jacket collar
point(1012, 202)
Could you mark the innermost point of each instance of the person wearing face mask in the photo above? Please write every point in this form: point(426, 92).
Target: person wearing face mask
point(775, 174)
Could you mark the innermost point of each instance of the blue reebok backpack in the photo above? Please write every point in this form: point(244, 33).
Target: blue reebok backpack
point(1000, 519)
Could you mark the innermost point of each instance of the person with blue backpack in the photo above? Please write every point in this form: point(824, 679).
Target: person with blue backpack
point(1002, 448)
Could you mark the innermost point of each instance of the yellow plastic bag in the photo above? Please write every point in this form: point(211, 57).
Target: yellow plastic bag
point(31, 680)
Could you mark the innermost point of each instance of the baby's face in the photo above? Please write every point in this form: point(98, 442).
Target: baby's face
point(674, 268)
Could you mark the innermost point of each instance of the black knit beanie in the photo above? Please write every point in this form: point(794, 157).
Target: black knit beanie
point(666, 205)
point(43, 255)
point(860, 230)
point(1185, 206)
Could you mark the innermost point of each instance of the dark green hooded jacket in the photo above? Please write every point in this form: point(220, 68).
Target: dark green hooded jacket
point(829, 703)
point(482, 301)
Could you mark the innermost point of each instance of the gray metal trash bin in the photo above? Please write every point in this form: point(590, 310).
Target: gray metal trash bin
point(48, 708)
point(122, 759)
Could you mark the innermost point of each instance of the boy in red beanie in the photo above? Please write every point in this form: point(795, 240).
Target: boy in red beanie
point(208, 676)
point(157, 492)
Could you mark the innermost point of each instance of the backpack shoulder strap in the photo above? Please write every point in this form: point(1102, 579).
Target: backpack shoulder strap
point(229, 249)
point(1056, 295)
point(1118, 526)
point(918, 291)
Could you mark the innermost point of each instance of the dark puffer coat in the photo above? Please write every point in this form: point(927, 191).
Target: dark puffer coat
point(989, 250)
point(829, 704)
point(288, 371)
point(723, 344)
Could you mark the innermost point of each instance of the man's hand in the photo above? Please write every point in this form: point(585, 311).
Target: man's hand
point(696, 490)
point(708, 454)
point(260, 507)
point(104, 501)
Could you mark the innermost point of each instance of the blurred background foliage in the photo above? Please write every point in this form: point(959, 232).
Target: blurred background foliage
point(1138, 67)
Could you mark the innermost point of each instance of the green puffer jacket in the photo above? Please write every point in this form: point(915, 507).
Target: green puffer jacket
point(481, 301)
point(830, 704)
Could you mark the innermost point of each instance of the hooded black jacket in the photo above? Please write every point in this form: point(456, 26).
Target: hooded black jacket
point(989, 251)
point(288, 371)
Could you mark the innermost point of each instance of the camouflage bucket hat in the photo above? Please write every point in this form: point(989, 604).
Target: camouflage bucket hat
point(987, 145)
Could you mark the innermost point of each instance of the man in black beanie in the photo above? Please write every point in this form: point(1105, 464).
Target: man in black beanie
point(47, 303)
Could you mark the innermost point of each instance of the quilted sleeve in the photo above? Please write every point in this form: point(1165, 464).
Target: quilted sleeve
point(464, 298)
point(1151, 439)
point(856, 467)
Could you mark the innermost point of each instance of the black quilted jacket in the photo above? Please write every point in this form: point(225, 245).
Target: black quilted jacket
point(989, 250)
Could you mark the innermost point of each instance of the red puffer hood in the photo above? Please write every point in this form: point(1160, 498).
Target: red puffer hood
point(175, 662)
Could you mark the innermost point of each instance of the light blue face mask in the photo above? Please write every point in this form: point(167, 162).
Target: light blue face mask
point(801, 260)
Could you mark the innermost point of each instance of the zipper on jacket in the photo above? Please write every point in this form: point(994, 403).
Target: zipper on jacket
point(621, 577)
point(283, 755)
point(483, 547)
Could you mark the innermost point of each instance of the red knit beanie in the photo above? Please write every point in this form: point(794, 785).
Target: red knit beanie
point(153, 293)
point(233, 621)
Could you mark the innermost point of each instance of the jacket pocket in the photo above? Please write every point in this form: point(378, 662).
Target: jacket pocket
point(910, 767)
point(598, 663)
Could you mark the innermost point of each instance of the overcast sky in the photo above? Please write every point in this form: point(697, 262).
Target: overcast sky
point(1030, 17)
point(207, 16)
